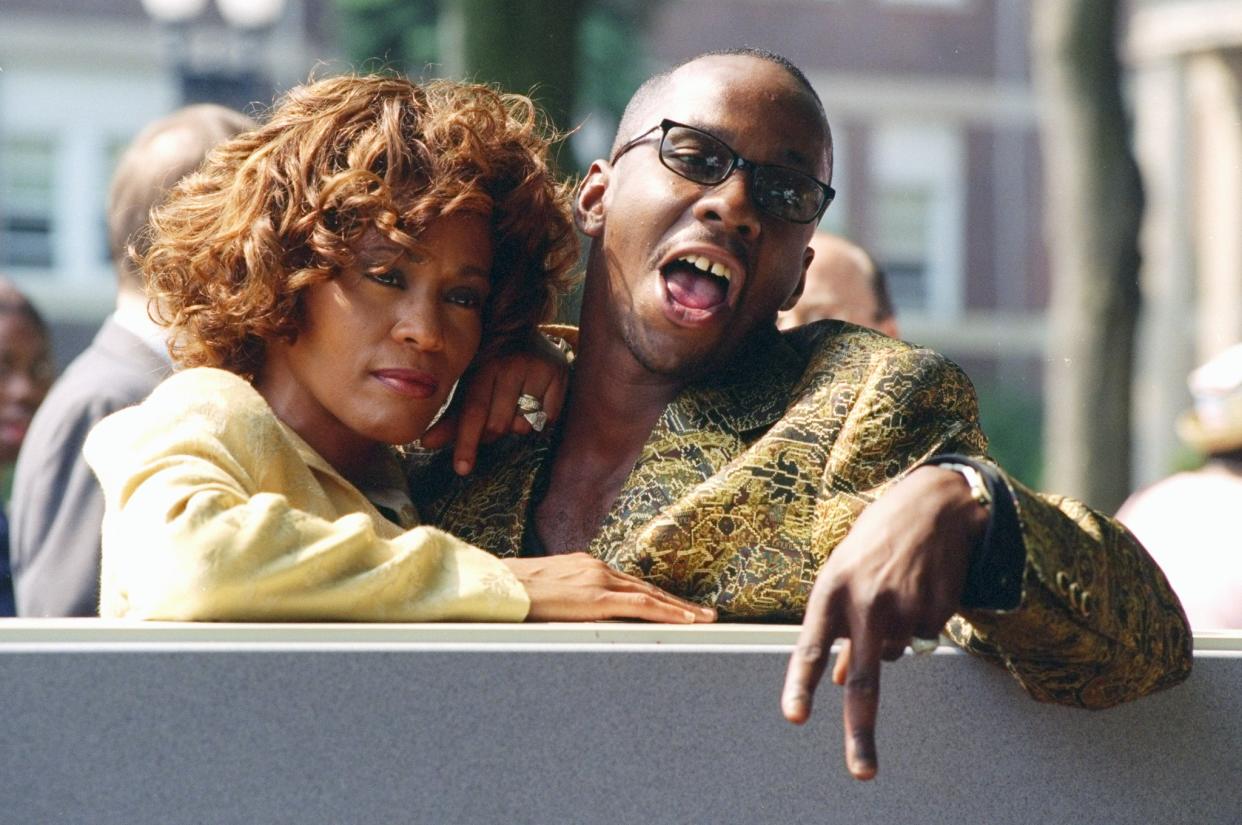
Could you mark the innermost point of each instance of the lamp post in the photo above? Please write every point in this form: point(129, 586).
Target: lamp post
point(228, 69)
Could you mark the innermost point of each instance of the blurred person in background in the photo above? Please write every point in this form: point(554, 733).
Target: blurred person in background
point(1189, 521)
point(26, 372)
point(57, 503)
point(845, 283)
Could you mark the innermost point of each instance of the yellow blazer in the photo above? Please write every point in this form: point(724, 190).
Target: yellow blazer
point(215, 510)
point(751, 477)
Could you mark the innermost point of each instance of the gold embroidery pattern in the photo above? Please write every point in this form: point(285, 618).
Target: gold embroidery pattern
point(746, 485)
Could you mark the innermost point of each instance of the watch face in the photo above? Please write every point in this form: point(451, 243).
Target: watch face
point(974, 479)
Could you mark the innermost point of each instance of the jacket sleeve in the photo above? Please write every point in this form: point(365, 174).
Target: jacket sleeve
point(56, 511)
point(1097, 623)
point(199, 525)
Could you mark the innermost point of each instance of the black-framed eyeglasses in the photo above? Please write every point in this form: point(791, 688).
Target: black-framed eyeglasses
point(704, 158)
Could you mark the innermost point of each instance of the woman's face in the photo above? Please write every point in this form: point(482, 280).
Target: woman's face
point(25, 376)
point(378, 353)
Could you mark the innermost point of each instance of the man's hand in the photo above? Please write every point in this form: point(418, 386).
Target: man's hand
point(488, 406)
point(579, 588)
point(899, 573)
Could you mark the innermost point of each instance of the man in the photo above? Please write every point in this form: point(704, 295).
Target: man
point(845, 283)
point(57, 505)
point(711, 455)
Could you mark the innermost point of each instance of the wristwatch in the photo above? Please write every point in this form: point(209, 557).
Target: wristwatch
point(998, 560)
point(978, 487)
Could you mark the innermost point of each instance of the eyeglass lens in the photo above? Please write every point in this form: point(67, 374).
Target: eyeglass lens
point(699, 157)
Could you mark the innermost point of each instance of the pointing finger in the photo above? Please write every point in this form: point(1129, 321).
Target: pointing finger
point(809, 658)
point(861, 704)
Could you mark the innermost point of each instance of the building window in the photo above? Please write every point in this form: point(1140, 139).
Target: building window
point(901, 225)
point(917, 226)
point(26, 195)
point(836, 218)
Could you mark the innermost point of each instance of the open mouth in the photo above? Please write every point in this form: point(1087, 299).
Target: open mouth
point(697, 284)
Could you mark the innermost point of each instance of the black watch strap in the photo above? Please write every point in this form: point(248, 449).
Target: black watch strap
point(994, 578)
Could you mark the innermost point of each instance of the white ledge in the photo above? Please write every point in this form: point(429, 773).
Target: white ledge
point(17, 632)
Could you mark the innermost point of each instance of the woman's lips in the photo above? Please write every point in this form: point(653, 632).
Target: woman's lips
point(410, 383)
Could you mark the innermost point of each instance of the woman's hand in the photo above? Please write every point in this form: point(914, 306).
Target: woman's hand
point(579, 588)
point(488, 406)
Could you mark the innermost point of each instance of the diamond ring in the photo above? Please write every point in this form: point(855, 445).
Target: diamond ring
point(531, 408)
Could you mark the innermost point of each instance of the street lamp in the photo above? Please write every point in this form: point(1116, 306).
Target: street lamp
point(228, 72)
point(174, 11)
point(247, 14)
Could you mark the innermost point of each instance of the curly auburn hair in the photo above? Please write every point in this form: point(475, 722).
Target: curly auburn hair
point(278, 209)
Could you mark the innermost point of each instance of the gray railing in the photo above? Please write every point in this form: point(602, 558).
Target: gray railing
point(125, 723)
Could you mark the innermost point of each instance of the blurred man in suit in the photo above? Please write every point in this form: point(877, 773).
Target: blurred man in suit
point(57, 505)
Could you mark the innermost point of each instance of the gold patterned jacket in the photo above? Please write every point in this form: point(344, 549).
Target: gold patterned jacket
point(749, 480)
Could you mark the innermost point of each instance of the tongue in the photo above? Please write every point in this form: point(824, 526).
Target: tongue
point(695, 291)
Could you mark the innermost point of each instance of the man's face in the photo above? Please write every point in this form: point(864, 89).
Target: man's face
point(654, 232)
point(26, 373)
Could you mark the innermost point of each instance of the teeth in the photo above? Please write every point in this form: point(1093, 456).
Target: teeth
point(703, 264)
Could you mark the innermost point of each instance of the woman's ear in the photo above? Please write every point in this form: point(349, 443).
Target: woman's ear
point(589, 203)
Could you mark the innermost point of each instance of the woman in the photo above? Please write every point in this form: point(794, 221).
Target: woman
point(328, 277)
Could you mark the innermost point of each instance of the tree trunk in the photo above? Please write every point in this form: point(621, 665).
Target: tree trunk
point(1093, 205)
point(531, 48)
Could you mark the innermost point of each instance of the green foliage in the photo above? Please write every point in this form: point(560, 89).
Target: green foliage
point(613, 64)
point(396, 33)
point(1012, 416)
point(520, 46)
point(1186, 459)
point(529, 48)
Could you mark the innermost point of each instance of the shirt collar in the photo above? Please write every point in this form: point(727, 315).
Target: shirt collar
point(133, 318)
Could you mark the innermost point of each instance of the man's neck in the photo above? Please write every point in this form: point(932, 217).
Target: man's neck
point(613, 395)
point(613, 405)
point(132, 314)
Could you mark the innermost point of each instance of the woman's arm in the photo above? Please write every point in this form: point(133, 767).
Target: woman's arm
point(215, 512)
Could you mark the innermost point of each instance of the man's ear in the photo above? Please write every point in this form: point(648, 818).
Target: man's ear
point(807, 257)
point(589, 203)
